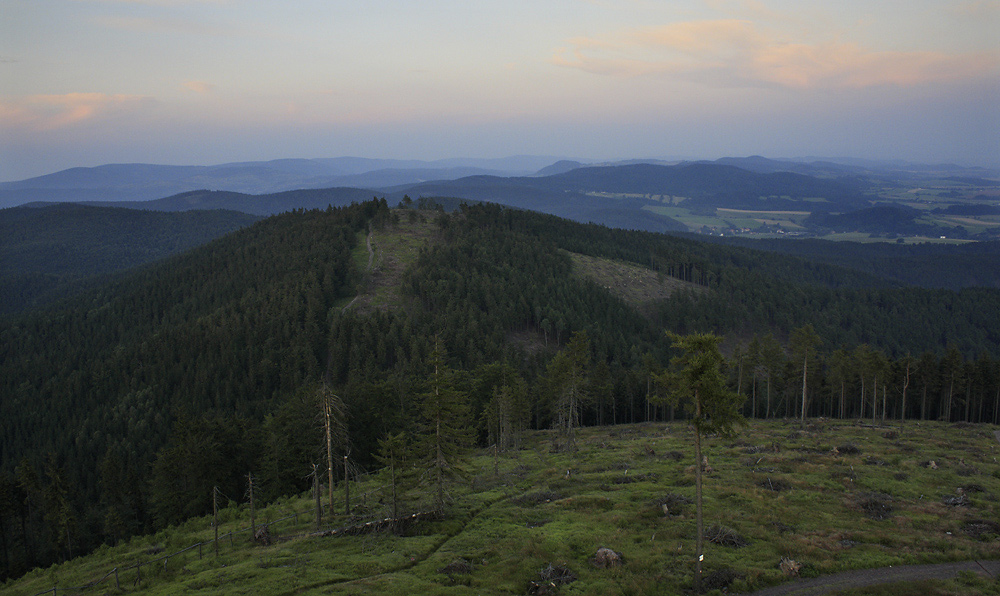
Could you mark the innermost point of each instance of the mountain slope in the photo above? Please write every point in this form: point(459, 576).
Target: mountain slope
point(46, 252)
point(207, 364)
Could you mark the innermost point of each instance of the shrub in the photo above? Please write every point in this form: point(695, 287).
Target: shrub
point(673, 504)
point(877, 506)
point(725, 536)
point(720, 579)
point(774, 484)
point(549, 580)
point(848, 449)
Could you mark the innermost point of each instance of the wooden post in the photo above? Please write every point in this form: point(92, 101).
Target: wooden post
point(347, 490)
point(319, 506)
point(329, 450)
point(253, 520)
point(117, 584)
point(699, 556)
point(215, 517)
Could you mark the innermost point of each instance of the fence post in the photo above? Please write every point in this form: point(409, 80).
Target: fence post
point(117, 584)
point(319, 507)
point(253, 521)
point(215, 517)
point(347, 491)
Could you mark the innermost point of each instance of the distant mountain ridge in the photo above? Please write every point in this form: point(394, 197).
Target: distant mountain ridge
point(143, 182)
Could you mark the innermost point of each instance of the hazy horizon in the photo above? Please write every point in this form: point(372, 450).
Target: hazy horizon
point(92, 82)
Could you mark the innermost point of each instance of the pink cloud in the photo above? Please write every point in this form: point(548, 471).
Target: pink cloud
point(199, 86)
point(51, 112)
point(734, 52)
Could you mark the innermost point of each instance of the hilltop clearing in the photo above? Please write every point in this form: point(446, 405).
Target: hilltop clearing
point(828, 496)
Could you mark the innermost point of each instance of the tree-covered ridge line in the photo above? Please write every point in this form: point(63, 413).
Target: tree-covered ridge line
point(51, 252)
point(208, 363)
point(945, 266)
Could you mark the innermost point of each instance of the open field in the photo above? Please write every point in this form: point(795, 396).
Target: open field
point(831, 495)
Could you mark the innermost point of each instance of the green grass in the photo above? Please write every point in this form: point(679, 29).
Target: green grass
point(395, 249)
point(549, 507)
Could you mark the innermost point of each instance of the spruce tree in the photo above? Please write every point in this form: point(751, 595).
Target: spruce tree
point(445, 425)
point(695, 379)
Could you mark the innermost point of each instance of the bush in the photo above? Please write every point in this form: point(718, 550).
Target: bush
point(848, 449)
point(720, 579)
point(725, 536)
point(877, 506)
point(774, 484)
point(673, 504)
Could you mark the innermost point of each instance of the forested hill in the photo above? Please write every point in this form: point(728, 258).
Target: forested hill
point(123, 407)
point(950, 266)
point(262, 204)
point(49, 252)
point(706, 186)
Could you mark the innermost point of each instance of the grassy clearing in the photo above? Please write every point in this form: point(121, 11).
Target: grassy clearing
point(639, 286)
point(725, 219)
point(395, 248)
point(831, 495)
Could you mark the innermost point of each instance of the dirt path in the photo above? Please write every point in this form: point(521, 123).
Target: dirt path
point(368, 269)
point(885, 575)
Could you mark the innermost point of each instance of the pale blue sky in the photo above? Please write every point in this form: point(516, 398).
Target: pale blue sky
point(85, 82)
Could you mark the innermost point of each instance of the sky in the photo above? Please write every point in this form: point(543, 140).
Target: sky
point(88, 82)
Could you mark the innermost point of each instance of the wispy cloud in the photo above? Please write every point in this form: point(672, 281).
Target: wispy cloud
point(156, 2)
point(735, 52)
point(978, 8)
point(51, 112)
point(163, 25)
point(199, 86)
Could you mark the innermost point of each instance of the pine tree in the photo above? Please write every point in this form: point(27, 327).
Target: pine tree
point(695, 380)
point(392, 453)
point(566, 383)
point(445, 424)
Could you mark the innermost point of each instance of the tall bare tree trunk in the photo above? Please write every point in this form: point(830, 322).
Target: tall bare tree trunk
point(805, 367)
point(697, 498)
point(874, 399)
point(842, 391)
point(923, 404)
point(329, 449)
point(253, 517)
point(215, 517)
point(347, 490)
point(906, 384)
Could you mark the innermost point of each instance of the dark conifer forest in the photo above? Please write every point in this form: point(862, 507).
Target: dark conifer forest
point(125, 403)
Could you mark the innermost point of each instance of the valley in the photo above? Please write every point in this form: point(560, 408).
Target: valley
point(207, 361)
